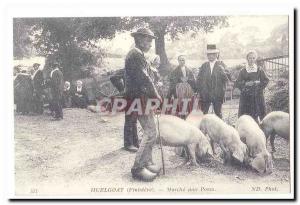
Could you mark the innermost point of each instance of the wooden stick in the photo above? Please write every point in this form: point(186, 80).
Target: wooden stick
point(161, 146)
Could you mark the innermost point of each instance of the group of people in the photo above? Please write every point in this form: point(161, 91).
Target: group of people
point(28, 90)
point(75, 96)
point(32, 91)
point(140, 81)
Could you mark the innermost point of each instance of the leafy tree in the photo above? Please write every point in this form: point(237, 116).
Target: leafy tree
point(231, 46)
point(21, 38)
point(172, 26)
point(60, 36)
point(66, 40)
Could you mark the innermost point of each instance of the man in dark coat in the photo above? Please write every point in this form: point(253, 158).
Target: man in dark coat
point(211, 82)
point(23, 92)
point(57, 88)
point(139, 85)
point(38, 85)
point(131, 141)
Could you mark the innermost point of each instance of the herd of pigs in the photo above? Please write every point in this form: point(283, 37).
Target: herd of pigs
point(245, 144)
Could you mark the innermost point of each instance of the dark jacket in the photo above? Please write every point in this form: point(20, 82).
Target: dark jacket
point(67, 97)
point(211, 86)
point(138, 82)
point(38, 82)
point(80, 98)
point(117, 79)
point(176, 77)
point(252, 100)
point(23, 88)
point(57, 84)
point(80, 94)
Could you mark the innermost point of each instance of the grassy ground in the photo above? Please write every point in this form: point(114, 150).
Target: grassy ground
point(84, 151)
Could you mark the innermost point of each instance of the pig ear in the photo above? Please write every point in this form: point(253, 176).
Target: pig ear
point(247, 151)
point(209, 150)
point(269, 163)
point(238, 154)
point(259, 121)
point(259, 164)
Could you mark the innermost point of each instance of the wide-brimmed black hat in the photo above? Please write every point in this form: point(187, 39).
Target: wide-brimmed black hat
point(144, 32)
point(212, 48)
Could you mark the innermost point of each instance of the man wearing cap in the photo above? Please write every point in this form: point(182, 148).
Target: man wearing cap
point(57, 88)
point(139, 85)
point(211, 82)
point(38, 83)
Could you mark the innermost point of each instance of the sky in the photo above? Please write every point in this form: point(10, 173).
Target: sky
point(259, 26)
point(238, 24)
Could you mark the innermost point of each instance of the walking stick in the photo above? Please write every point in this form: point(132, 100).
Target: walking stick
point(161, 146)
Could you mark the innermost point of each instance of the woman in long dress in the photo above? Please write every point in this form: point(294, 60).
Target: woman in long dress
point(252, 81)
point(182, 86)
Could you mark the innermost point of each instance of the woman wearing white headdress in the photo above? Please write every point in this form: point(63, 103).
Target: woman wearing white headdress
point(252, 81)
point(182, 85)
point(154, 65)
point(80, 98)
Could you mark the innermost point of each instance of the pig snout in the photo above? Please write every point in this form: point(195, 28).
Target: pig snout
point(269, 163)
point(240, 152)
point(262, 163)
point(203, 149)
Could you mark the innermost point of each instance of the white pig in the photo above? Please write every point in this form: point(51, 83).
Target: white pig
point(224, 135)
point(276, 123)
point(254, 138)
point(176, 132)
point(195, 117)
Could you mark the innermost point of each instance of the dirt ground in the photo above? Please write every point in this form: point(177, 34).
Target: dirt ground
point(82, 156)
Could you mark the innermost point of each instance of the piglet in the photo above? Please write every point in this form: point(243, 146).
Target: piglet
point(254, 138)
point(224, 135)
point(176, 132)
point(276, 123)
point(195, 117)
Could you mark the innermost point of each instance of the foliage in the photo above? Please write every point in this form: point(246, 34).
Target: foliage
point(21, 38)
point(69, 41)
point(57, 38)
point(72, 60)
point(172, 26)
point(277, 94)
point(233, 47)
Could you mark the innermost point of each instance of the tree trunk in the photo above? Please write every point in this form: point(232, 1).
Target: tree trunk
point(160, 49)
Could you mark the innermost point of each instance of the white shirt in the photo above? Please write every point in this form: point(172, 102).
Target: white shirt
point(34, 73)
point(53, 72)
point(67, 88)
point(212, 64)
point(79, 89)
point(183, 70)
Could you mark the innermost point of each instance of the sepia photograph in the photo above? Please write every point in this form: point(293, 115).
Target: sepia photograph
point(153, 107)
